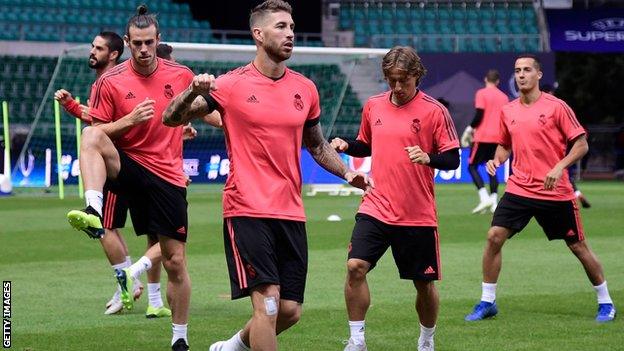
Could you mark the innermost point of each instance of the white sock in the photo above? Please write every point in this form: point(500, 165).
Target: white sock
point(121, 265)
point(153, 290)
point(139, 267)
point(128, 261)
point(483, 195)
point(179, 332)
point(236, 343)
point(426, 333)
point(578, 193)
point(357, 329)
point(602, 293)
point(94, 199)
point(488, 292)
point(494, 197)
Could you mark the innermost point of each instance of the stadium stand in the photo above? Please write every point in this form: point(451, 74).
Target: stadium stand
point(77, 20)
point(442, 26)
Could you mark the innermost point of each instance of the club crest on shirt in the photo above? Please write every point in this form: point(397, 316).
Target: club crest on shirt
point(542, 119)
point(168, 91)
point(298, 102)
point(415, 126)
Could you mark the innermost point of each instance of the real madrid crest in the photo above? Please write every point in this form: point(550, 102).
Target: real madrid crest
point(168, 91)
point(298, 102)
point(415, 125)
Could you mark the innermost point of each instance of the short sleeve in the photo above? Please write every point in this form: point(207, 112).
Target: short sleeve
point(444, 133)
point(224, 84)
point(102, 102)
point(315, 106)
point(364, 135)
point(569, 125)
point(504, 138)
point(480, 100)
point(188, 76)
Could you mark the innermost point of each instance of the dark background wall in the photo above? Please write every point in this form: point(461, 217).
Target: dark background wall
point(234, 14)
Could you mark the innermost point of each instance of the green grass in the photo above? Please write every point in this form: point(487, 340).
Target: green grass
point(61, 281)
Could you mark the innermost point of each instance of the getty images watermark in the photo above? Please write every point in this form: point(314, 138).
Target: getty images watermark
point(6, 314)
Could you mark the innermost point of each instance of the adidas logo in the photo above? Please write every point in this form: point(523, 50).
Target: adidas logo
point(181, 230)
point(430, 270)
point(252, 99)
point(570, 233)
point(130, 96)
point(378, 122)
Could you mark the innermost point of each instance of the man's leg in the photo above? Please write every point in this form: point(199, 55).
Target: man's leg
point(99, 159)
point(427, 306)
point(114, 252)
point(113, 248)
point(155, 306)
point(178, 284)
point(288, 315)
point(492, 255)
point(357, 299)
point(593, 269)
point(493, 192)
point(491, 265)
point(128, 276)
point(262, 327)
point(484, 198)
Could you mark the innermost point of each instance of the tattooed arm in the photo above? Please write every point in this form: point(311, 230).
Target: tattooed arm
point(190, 103)
point(328, 158)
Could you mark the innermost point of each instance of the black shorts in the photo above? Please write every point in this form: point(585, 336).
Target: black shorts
point(416, 250)
point(559, 219)
point(266, 251)
point(114, 210)
point(481, 153)
point(157, 207)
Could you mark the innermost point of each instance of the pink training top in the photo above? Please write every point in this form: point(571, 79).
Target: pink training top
point(403, 193)
point(263, 121)
point(490, 100)
point(152, 144)
point(538, 136)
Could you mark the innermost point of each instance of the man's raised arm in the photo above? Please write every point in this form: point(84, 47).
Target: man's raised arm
point(190, 103)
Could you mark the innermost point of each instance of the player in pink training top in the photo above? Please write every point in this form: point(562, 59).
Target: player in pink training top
point(408, 134)
point(144, 162)
point(537, 127)
point(482, 133)
point(267, 111)
point(106, 51)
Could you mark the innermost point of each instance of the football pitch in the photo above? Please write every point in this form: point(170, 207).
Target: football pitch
point(61, 281)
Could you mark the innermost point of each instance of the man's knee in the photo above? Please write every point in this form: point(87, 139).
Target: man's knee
point(578, 248)
point(357, 269)
point(289, 312)
point(92, 137)
point(266, 299)
point(174, 264)
point(425, 287)
point(497, 236)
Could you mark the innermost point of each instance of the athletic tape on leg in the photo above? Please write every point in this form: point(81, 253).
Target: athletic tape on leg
point(270, 305)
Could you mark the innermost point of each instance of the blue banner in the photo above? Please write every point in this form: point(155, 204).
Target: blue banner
point(213, 166)
point(588, 30)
